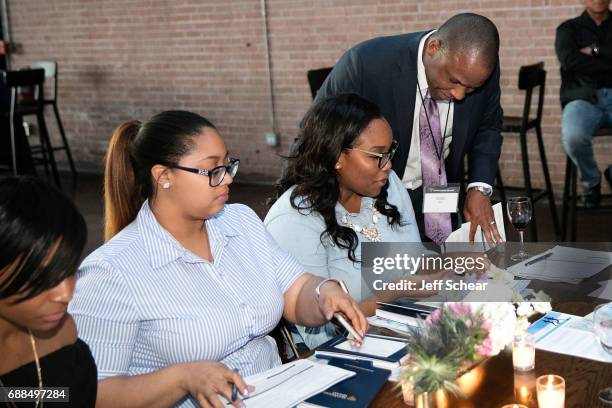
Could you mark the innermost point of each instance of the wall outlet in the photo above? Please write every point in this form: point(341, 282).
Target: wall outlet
point(271, 139)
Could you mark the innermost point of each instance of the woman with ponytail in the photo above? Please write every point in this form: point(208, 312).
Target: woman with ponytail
point(184, 292)
point(339, 190)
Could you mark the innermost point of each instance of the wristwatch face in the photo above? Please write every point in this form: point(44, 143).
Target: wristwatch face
point(485, 190)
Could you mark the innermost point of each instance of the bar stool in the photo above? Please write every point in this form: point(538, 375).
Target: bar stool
point(51, 72)
point(570, 193)
point(33, 78)
point(530, 77)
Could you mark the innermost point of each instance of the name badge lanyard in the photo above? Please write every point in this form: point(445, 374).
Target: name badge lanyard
point(439, 152)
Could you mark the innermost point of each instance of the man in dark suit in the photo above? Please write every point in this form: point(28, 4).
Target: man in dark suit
point(454, 110)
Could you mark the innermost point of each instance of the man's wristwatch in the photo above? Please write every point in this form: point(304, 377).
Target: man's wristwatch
point(595, 49)
point(324, 281)
point(488, 191)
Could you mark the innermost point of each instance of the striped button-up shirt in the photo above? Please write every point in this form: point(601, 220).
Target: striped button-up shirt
point(144, 302)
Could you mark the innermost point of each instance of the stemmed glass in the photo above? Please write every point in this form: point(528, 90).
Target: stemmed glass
point(519, 212)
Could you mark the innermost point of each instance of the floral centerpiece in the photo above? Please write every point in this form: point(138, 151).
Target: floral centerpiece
point(457, 336)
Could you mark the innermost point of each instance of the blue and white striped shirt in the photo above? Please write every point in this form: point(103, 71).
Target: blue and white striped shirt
point(143, 302)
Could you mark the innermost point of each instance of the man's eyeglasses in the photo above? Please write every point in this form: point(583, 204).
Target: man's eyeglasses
point(383, 158)
point(216, 174)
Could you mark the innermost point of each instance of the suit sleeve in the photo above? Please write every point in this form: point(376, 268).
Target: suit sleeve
point(346, 77)
point(483, 156)
point(571, 59)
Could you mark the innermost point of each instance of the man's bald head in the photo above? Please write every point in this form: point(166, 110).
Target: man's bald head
point(471, 35)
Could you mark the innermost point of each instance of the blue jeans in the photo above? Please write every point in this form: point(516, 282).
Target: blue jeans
point(580, 121)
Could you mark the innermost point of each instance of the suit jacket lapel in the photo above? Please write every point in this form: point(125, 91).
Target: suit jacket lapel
point(461, 121)
point(404, 91)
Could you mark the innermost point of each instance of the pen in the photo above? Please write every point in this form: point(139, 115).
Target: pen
point(234, 388)
point(538, 259)
point(352, 332)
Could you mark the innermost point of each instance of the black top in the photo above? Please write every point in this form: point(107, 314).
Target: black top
point(71, 366)
point(582, 75)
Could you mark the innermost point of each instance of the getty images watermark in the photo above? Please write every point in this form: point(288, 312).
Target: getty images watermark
point(480, 273)
point(434, 265)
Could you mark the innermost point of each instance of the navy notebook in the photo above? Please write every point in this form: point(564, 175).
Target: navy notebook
point(354, 392)
point(385, 352)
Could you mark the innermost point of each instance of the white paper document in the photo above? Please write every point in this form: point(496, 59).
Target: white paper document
point(463, 233)
point(397, 327)
point(604, 292)
point(568, 334)
point(292, 383)
point(374, 346)
point(563, 264)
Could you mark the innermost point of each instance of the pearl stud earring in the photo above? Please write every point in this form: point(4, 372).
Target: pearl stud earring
point(166, 185)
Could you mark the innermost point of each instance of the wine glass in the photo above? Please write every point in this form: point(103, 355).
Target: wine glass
point(519, 213)
point(602, 326)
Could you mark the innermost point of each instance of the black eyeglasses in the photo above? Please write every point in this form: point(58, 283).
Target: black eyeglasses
point(383, 158)
point(216, 174)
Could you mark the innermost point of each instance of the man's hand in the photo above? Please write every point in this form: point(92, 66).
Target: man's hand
point(478, 211)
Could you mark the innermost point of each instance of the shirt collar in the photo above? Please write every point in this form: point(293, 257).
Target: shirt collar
point(163, 248)
point(587, 18)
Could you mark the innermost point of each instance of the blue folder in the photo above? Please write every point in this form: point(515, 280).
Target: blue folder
point(354, 392)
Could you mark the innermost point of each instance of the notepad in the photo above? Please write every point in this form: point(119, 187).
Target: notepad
point(567, 334)
point(565, 264)
point(374, 346)
point(384, 352)
point(291, 383)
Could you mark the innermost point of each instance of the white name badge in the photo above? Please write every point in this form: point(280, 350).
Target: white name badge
point(441, 199)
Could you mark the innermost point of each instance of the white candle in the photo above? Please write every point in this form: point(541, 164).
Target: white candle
point(523, 354)
point(551, 391)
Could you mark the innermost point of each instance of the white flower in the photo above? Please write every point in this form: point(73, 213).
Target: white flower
point(501, 317)
point(524, 309)
point(542, 307)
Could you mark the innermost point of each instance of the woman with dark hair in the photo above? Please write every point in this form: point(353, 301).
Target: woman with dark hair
point(184, 292)
point(339, 190)
point(42, 236)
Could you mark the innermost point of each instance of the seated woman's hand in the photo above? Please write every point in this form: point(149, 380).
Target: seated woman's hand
point(206, 380)
point(333, 300)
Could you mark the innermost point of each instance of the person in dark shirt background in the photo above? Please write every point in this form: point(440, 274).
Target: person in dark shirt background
point(584, 48)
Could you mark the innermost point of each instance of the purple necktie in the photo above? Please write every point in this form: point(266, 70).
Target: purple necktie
point(437, 225)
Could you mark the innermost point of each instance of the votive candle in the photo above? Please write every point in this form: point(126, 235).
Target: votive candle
point(523, 353)
point(551, 391)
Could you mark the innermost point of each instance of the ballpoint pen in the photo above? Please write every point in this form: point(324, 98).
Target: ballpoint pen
point(538, 259)
point(234, 388)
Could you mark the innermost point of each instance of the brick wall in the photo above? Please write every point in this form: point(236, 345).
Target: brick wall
point(131, 58)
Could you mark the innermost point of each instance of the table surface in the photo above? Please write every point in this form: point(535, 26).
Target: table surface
point(491, 383)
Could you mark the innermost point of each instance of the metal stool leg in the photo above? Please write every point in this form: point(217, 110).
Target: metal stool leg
point(549, 190)
point(65, 141)
point(525, 155)
point(566, 196)
point(47, 145)
point(574, 202)
point(44, 148)
point(12, 130)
